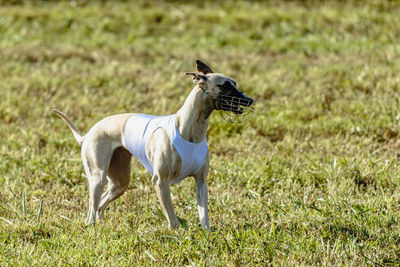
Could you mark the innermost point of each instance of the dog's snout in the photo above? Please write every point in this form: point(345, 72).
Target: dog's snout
point(252, 101)
point(248, 100)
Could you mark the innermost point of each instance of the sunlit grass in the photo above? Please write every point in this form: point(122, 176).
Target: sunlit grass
point(311, 179)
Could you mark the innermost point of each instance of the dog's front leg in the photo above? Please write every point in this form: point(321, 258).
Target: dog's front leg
point(202, 197)
point(164, 195)
point(202, 202)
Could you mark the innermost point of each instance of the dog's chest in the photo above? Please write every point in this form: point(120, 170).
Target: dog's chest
point(140, 127)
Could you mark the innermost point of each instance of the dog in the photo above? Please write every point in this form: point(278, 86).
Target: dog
point(170, 147)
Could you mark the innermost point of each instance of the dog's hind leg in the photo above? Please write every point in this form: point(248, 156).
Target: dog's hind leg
point(119, 172)
point(95, 159)
point(96, 184)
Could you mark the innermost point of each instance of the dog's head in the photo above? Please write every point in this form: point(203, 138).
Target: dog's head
point(222, 89)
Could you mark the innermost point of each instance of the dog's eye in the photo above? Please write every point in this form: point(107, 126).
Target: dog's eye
point(227, 88)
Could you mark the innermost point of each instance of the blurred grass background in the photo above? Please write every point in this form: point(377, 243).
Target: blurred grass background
point(311, 179)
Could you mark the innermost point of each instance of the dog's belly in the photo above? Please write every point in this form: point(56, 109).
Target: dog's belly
point(176, 180)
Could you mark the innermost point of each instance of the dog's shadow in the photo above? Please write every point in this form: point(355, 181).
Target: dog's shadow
point(183, 222)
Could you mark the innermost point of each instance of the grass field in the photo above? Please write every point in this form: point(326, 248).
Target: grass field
point(311, 179)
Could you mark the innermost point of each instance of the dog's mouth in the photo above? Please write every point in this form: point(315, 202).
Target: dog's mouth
point(240, 107)
point(235, 104)
point(237, 109)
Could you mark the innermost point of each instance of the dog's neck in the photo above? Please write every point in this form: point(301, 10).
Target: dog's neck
point(192, 118)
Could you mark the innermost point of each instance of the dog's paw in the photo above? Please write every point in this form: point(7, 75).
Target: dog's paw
point(174, 225)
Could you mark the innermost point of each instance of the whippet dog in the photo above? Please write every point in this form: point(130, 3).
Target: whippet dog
point(170, 147)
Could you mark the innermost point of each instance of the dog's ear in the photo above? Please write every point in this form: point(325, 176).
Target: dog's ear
point(198, 78)
point(202, 67)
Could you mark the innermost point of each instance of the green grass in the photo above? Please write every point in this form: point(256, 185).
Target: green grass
point(311, 179)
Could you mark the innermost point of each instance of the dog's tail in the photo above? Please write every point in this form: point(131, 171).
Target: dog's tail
point(73, 128)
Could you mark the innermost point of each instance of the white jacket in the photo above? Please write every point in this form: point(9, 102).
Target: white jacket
point(139, 128)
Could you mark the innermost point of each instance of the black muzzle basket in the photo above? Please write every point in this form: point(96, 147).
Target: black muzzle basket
point(234, 109)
